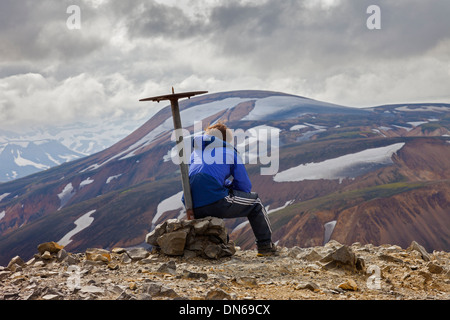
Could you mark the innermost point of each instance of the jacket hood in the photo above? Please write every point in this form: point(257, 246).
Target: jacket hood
point(205, 140)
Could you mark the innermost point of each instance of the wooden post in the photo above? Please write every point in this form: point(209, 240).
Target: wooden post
point(184, 158)
point(184, 167)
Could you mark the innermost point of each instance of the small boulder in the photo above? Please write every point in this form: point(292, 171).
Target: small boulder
point(99, 255)
point(157, 289)
point(46, 255)
point(308, 285)
point(138, 253)
point(168, 267)
point(173, 225)
point(343, 257)
point(200, 226)
point(349, 284)
point(4, 274)
point(312, 256)
point(51, 247)
point(435, 268)
point(152, 237)
point(217, 294)
point(172, 243)
point(16, 261)
point(212, 251)
point(193, 275)
point(61, 255)
point(417, 247)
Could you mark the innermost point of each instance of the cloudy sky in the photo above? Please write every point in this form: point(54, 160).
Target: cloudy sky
point(127, 50)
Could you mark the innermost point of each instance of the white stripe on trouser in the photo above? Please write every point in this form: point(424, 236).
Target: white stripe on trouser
point(250, 202)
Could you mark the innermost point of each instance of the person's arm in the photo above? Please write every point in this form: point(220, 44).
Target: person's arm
point(241, 181)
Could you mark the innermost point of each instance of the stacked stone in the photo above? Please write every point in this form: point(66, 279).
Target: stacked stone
point(205, 237)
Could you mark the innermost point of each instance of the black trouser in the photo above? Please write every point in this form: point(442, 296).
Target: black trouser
point(241, 204)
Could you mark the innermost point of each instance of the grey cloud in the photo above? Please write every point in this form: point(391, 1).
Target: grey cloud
point(408, 27)
point(246, 29)
point(37, 30)
point(150, 19)
point(294, 45)
point(280, 32)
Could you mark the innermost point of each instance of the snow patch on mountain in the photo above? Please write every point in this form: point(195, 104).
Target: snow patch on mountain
point(66, 194)
point(404, 128)
point(379, 132)
point(278, 107)
point(288, 203)
point(2, 214)
point(271, 105)
point(22, 162)
point(424, 109)
point(49, 156)
point(347, 166)
point(86, 182)
point(329, 227)
point(298, 127)
point(3, 196)
point(81, 223)
point(188, 116)
point(172, 203)
point(417, 123)
point(112, 178)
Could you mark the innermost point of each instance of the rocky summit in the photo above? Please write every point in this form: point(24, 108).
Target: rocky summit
point(202, 264)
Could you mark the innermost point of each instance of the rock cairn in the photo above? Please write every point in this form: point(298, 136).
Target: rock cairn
point(330, 272)
point(205, 237)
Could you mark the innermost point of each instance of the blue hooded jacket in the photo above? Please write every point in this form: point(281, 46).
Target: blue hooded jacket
point(212, 162)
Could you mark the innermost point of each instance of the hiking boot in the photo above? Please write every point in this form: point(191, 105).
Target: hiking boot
point(269, 249)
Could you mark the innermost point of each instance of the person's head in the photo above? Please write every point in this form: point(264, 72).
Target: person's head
point(220, 131)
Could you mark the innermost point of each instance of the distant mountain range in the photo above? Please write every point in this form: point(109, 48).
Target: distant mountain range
point(39, 149)
point(376, 175)
point(21, 158)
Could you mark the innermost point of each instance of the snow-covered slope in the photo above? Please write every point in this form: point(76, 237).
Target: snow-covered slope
point(347, 166)
point(265, 106)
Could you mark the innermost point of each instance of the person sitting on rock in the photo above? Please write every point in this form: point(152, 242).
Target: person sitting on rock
point(213, 163)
